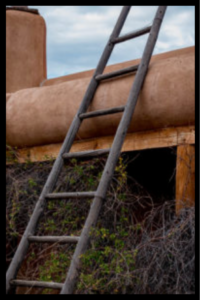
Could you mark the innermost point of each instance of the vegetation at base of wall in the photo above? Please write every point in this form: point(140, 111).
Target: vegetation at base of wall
point(136, 247)
point(11, 154)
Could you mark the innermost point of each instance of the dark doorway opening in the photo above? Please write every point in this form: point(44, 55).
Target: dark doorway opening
point(155, 170)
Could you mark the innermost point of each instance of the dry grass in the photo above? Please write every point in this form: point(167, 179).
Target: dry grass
point(137, 247)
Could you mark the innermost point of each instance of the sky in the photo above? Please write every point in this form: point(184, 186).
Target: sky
point(77, 35)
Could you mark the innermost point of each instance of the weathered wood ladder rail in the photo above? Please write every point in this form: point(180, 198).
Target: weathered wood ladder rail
point(114, 153)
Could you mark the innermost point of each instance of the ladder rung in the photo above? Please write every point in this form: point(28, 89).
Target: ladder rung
point(52, 285)
point(93, 153)
point(131, 35)
point(71, 195)
point(53, 239)
point(102, 112)
point(117, 73)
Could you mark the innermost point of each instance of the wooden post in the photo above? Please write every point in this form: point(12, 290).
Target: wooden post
point(185, 177)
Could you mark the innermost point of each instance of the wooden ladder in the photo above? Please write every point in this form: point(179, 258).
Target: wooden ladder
point(114, 152)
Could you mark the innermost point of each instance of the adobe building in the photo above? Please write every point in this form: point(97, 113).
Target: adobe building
point(39, 110)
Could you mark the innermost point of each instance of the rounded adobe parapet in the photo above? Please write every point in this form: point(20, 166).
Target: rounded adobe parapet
point(25, 50)
point(43, 115)
point(24, 9)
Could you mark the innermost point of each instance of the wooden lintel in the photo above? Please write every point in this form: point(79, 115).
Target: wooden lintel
point(159, 138)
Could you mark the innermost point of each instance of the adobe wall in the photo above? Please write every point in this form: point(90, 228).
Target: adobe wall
point(25, 49)
point(40, 116)
point(118, 66)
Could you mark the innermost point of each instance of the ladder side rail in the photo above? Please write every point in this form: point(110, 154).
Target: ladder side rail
point(114, 154)
point(131, 104)
point(58, 164)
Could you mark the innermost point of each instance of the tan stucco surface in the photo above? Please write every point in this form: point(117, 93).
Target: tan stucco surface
point(40, 116)
point(25, 50)
point(115, 67)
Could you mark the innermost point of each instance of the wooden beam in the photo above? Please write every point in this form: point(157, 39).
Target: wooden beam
point(159, 138)
point(185, 177)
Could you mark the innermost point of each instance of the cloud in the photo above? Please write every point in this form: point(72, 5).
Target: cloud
point(77, 35)
point(178, 29)
point(69, 25)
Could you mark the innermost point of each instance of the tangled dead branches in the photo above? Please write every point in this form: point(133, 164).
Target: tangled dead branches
point(137, 247)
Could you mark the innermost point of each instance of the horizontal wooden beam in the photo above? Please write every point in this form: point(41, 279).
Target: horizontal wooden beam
point(159, 138)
